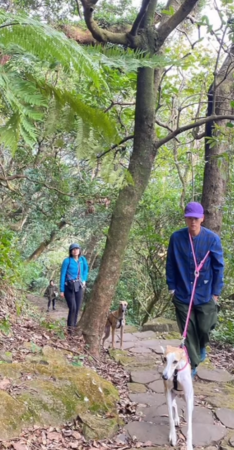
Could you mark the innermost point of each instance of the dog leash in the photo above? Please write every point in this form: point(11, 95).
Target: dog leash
point(196, 274)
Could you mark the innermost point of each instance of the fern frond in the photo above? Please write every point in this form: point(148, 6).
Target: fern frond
point(48, 45)
point(10, 132)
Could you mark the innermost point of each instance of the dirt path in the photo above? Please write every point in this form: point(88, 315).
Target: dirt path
point(41, 303)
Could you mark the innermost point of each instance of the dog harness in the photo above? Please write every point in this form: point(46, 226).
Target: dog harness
point(120, 321)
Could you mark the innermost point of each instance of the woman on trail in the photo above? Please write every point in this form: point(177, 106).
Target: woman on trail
point(74, 274)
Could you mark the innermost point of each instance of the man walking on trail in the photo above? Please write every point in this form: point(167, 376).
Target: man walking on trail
point(187, 248)
point(51, 293)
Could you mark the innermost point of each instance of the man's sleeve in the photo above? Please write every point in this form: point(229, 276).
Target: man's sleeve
point(63, 275)
point(170, 266)
point(217, 262)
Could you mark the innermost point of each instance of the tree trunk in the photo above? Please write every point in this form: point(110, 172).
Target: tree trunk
point(143, 35)
point(149, 309)
point(93, 320)
point(216, 167)
point(90, 250)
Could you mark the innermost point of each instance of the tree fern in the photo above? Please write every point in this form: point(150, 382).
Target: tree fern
point(27, 88)
point(48, 45)
point(41, 78)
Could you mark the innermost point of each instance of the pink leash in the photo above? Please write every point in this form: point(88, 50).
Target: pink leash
point(196, 273)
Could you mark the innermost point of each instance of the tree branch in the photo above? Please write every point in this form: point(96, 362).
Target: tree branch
point(78, 8)
point(48, 241)
point(119, 104)
point(18, 176)
point(166, 28)
point(216, 73)
point(98, 33)
point(139, 17)
point(190, 126)
point(127, 138)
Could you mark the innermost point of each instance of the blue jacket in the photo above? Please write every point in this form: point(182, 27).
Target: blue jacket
point(71, 269)
point(180, 266)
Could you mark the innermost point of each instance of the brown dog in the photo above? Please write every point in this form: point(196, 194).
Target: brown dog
point(116, 319)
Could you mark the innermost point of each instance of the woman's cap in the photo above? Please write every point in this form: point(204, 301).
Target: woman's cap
point(72, 246)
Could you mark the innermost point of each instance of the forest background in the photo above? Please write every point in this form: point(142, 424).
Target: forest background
point(68, 131)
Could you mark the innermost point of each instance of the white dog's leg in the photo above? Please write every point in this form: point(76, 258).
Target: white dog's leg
point(188, 392)
point(172, 434)
point(175, 410)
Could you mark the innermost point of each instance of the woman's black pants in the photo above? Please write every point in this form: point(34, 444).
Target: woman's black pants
point(74, 302)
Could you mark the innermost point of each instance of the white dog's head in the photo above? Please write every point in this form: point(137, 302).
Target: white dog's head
point(172, 357)
point(123, 306)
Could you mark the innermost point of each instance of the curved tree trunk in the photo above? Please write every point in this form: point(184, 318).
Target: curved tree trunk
point(143, 35)
point(93, 321)
point(149, 309)
point(216, 167)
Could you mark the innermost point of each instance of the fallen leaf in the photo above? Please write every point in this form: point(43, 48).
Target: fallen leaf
point(76, 435)
point(54, 436)
point(4, 384)
point(43, 438)
point(74, 444)
point(19, 446)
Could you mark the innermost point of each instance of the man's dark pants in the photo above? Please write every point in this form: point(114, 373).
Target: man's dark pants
point(202, 320)
point(74, 302)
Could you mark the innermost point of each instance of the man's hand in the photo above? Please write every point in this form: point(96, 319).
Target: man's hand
point(62, 294)
point(216, 298)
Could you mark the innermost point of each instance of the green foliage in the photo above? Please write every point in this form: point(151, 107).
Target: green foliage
point(31, 276)
point(34, 84)
point(53, 94)
point(143, 283)
point(35, 348)
point(78, 361)
point(5, 326)
point(224, 332)
point(10, 259)
point(56, 326)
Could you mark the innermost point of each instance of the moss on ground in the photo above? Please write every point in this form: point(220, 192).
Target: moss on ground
point(52, 392)
point(136, 388)
point(218, 395)
point(133, 362)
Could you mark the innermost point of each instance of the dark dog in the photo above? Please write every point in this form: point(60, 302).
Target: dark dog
point(116, 319)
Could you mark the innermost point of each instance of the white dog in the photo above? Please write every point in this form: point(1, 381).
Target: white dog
point(177, 370)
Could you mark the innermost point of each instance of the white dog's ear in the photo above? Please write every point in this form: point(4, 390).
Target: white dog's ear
point(163, 349)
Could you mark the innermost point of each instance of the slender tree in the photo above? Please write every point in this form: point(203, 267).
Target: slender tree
point(216, 166)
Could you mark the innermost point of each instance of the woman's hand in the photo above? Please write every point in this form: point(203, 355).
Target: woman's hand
point(62, 294)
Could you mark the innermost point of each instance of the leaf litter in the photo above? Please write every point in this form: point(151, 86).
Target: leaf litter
point(27, 330)
point(69, 435)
